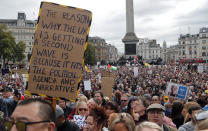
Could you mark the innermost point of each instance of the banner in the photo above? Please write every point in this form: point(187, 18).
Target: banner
point(107, 86)
point(57, 57)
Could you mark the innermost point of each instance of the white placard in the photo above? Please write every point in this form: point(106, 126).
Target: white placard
point(87, 85)
point(136, 73)
point(149, 71)
point(200, 68)
point(79, 120)
point(172, 89)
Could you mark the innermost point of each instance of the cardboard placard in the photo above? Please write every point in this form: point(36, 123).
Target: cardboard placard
point(107, 86)
point(59, 44)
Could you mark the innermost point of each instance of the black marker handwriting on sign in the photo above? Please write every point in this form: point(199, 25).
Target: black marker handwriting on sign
point(58, 45)
point(51, 13)
point(54, 88)
point(38, 70)
point(46, 53)
point(51, 25)
point(46, 62)
point(44, 79)
point(80, 18)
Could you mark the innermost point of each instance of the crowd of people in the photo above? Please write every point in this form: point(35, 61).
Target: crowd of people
point(138, 103)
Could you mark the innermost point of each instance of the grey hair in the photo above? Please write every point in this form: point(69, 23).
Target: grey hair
point(148, 124)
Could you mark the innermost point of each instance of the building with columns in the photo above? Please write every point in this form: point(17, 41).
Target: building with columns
point(149, 49)
point(23, 30)
point(189, 46)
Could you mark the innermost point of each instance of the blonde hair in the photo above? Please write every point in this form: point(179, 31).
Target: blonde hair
point(78, 105)
point(83, 98)
point(124, 118)
point(148, 124)
point(187, 105)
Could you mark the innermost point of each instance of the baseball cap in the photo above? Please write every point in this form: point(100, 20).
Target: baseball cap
point(156, 106)
point(59, 111)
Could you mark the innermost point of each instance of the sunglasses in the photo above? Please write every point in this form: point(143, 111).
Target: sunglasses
point(202, 115)
point(83, 109)
point(21, 126)
point(123, 100)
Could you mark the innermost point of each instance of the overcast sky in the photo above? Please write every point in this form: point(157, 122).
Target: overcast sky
point(153, 19)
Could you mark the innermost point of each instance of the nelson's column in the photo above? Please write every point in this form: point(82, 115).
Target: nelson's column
point(130, 39)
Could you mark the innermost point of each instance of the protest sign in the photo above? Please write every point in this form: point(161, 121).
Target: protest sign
point(107, 86)
point(79, 120)
point(136, 71)
point(182, 92)
point(172, 89)
point(200, 68)
point(87, 85)
point(58, 50)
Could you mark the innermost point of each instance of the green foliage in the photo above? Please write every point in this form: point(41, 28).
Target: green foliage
point(19, 51)
point(89, 55)
point(9, 49)
point(7, 43)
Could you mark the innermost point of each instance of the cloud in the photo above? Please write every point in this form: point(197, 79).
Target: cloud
point(196, 17)
point(149, 8)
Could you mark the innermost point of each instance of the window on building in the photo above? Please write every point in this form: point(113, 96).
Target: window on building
point(195, 52)
point(203, 53)
point(203, 41)
point(183, 42)
point(203, 47)
point(203, 35)
point(184, 52)
point(183, 47)
point(190, 52)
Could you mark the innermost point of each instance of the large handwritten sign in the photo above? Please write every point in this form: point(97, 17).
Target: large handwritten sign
point(107, 86)
point(56, 63)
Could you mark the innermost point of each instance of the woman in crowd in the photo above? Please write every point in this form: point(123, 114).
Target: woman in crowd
point(121, 122)
point(148, 126)
point(176, 115)
point(82, 109)
point(95, 120)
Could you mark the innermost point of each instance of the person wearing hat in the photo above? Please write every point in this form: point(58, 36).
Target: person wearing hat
point(63, 124)
point(156, 113)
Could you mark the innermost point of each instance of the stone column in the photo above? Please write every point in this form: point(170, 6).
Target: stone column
point(130, 39)
point(129, 16)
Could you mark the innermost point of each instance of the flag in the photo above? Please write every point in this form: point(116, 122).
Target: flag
point(147, 64)
point(109, 66)
point(113, 68)
point(86, 69)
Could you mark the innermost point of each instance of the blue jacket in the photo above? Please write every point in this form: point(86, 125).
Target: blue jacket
point(7, 106)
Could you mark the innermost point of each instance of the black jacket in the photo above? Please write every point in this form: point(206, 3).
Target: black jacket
point(68, 126)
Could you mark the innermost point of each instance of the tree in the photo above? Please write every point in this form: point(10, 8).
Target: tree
point(19, 49)
point(7, 43)
point(89, 55)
